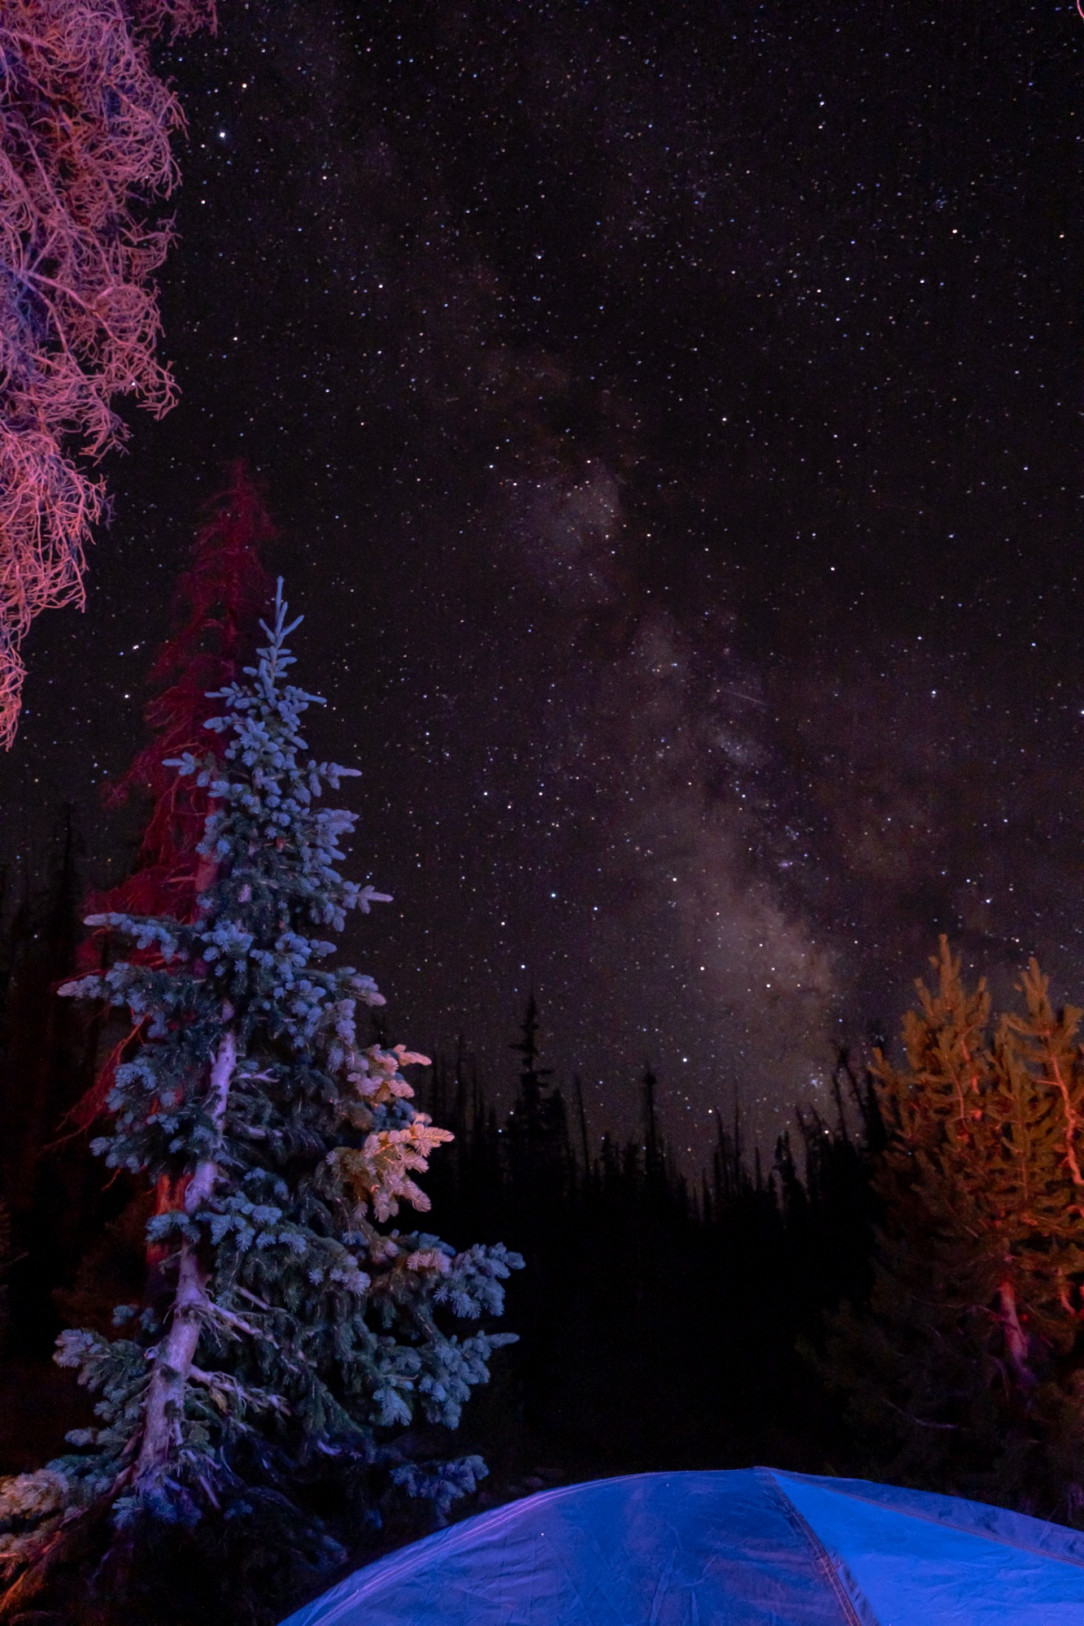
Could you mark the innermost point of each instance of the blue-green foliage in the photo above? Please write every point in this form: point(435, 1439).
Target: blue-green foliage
point(322, 1332)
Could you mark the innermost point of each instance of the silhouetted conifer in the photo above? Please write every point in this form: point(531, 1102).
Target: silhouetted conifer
point(536, 1130)
point(46, 1058)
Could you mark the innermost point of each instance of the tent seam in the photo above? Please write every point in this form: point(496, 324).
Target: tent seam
point(820, 1552)
point(999, 1540)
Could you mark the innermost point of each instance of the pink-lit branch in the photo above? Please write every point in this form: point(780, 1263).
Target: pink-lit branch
point(85, 129)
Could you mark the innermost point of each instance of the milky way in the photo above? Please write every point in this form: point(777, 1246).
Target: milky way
point(671, 415)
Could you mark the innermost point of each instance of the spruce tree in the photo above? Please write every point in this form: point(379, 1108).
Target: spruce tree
point(294, 1337)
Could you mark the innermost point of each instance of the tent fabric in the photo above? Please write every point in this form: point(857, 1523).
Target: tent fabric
point(747, 1547)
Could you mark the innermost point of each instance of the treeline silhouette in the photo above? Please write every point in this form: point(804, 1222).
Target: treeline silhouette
point(664, 1322)
point(57, 1200)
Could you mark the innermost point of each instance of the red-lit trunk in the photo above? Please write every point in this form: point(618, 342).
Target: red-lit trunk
point(1016, 1343)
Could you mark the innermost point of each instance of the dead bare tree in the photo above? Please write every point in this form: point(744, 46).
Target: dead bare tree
point(85, 156)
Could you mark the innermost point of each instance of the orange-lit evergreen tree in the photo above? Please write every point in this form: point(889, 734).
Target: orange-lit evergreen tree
point(968, 1373)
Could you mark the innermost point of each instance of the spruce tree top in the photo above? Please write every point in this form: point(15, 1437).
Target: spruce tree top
point(274, 853)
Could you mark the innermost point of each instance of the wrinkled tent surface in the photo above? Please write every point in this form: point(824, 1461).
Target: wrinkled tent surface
point(753, 1547)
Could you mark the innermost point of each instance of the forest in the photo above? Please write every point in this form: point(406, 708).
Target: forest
point(895, 1292)
point(279, 1294)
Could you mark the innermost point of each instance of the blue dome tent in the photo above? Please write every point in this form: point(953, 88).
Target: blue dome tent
point(751, 1547)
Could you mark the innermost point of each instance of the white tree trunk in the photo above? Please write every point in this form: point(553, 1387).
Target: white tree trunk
point(1016, 1343)
point(176, 1351)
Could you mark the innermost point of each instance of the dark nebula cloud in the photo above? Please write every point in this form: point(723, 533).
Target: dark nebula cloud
point(672, 417)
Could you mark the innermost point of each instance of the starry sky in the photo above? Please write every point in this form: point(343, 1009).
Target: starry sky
point(672, 418)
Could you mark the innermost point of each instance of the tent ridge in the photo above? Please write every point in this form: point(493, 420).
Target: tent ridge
point(998, 1538)
point(769, 1478)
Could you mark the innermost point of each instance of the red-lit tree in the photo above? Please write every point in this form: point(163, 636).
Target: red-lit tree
point(219, 598)
point(85, 127)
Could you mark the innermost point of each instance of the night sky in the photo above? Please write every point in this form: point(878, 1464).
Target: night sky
point(672, 417)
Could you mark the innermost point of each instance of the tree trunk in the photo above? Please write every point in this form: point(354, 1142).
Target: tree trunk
point(175, 1353)
point(1016, 1343)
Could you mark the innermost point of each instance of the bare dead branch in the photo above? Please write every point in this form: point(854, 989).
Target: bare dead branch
point(85, 155)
